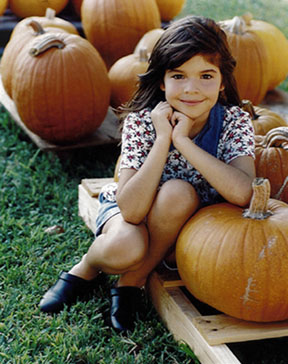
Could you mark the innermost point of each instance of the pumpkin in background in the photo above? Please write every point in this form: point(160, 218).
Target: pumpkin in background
point(148, 40)
point(114, 27)
point(276, 45)
point(252, 72)
point(47, 21)
point(237, 261)
point(77, 6)
point(169, 8)
point(123, 76)
point(3, 6)
point(272, 161)
point(27, 31)
point(263, 119)
point(25, 8)
point(61, 87)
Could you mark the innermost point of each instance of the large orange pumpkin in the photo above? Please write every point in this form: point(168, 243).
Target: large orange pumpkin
point(25, 8)
point(3, 6)
point(252, 71)
point(263, 119)
point(169, 8)
point(236, 261)
point(124, 78)
point(114, 27)
point(272, 161)
point(61, 87)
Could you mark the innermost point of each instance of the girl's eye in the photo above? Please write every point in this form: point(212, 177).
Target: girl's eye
point(177, 76)
point(206, 76)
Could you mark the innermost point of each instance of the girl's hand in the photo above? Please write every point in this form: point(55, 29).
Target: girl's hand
point(161, 116)
point(182, 126)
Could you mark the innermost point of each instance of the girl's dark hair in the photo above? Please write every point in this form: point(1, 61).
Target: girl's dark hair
point(182, 40)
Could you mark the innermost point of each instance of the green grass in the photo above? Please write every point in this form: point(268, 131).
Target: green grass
point(39, 190)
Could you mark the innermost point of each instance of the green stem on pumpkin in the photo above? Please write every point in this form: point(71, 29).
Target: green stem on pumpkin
point(37, 27)
point(258, 208)
point(248, 107)
point(42, 44)
point(275, 137)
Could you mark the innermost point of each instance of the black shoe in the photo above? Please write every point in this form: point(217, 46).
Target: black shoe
point(66, 291)
point(126, 301)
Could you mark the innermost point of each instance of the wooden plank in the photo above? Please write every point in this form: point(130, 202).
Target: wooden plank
point(87, 208)
point(94, 185)
point(177, 312)
point(107, 133)
point(219, 329)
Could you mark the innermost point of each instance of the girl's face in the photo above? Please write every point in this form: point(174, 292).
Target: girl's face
point(193, 88)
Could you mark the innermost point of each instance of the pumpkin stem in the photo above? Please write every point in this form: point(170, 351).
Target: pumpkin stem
point(248, 107)
point(247, 17)
point(37, 27)
point(237, 25)
point(143, 54)
point(50, 13)
point(44, 43)
point(258, 208)
point(275, 137)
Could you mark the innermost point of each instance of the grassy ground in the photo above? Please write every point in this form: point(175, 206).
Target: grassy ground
point(39, 190)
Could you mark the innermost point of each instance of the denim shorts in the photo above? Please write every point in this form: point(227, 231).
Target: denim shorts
point(107, 209)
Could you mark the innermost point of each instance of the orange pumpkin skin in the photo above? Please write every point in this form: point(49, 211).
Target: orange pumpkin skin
point(3, 6)
point(62, 95)
point(123, 76)
point(115, 29)
point(25, 8)
point(271, 162)
point(77, 6)
point(169, 8)
point(235, 264)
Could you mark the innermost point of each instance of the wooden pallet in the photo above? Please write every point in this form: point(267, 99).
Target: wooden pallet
point(207, 335)
point(107, 133)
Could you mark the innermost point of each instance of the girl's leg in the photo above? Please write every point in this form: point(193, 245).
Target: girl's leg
point(176, 201)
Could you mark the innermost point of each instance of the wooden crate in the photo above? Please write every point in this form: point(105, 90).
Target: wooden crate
point(207, 335)
point(107, 133)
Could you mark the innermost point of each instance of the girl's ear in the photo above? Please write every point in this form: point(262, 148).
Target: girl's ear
point(222, 88)
point(162, 86)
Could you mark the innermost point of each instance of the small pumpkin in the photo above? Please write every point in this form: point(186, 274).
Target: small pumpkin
point(252, 72)
point(236, 261)
point(61, 87)
point(263, 119)
point(123, 76)
point(26, 8)
point(148, 40)
point(272, 161)
point(115, 30)
point(23, 34)
point(47, 21)
point(3, 6)
point(169, 8)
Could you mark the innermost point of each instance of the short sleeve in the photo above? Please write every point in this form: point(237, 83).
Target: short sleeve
point(138, 136)
point(238, 138)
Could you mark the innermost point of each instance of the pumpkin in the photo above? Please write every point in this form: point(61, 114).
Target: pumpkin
point(263, 119)
point(169, 8)
point(60, 87)
point(272, 161)
point(252, 72)
point(47, 21)
point(77, 6)
point(123, 76)
point(236, 261)
point(3, 6)
point(25, 8)
point(148, 40)
point(115, 29)
point(23, 34)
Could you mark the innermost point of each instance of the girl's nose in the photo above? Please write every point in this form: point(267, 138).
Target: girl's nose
point(191, 86)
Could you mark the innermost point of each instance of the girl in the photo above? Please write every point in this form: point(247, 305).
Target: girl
point(186, 143)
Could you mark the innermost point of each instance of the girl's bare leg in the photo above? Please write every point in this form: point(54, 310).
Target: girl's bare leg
point(174, 204)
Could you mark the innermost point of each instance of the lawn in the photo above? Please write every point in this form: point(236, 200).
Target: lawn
point(39, 190)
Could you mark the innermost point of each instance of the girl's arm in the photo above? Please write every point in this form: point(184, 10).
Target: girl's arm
point(137, 189)
point(232, 181)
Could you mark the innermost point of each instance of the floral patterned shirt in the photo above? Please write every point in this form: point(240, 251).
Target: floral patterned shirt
point(236, 139)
